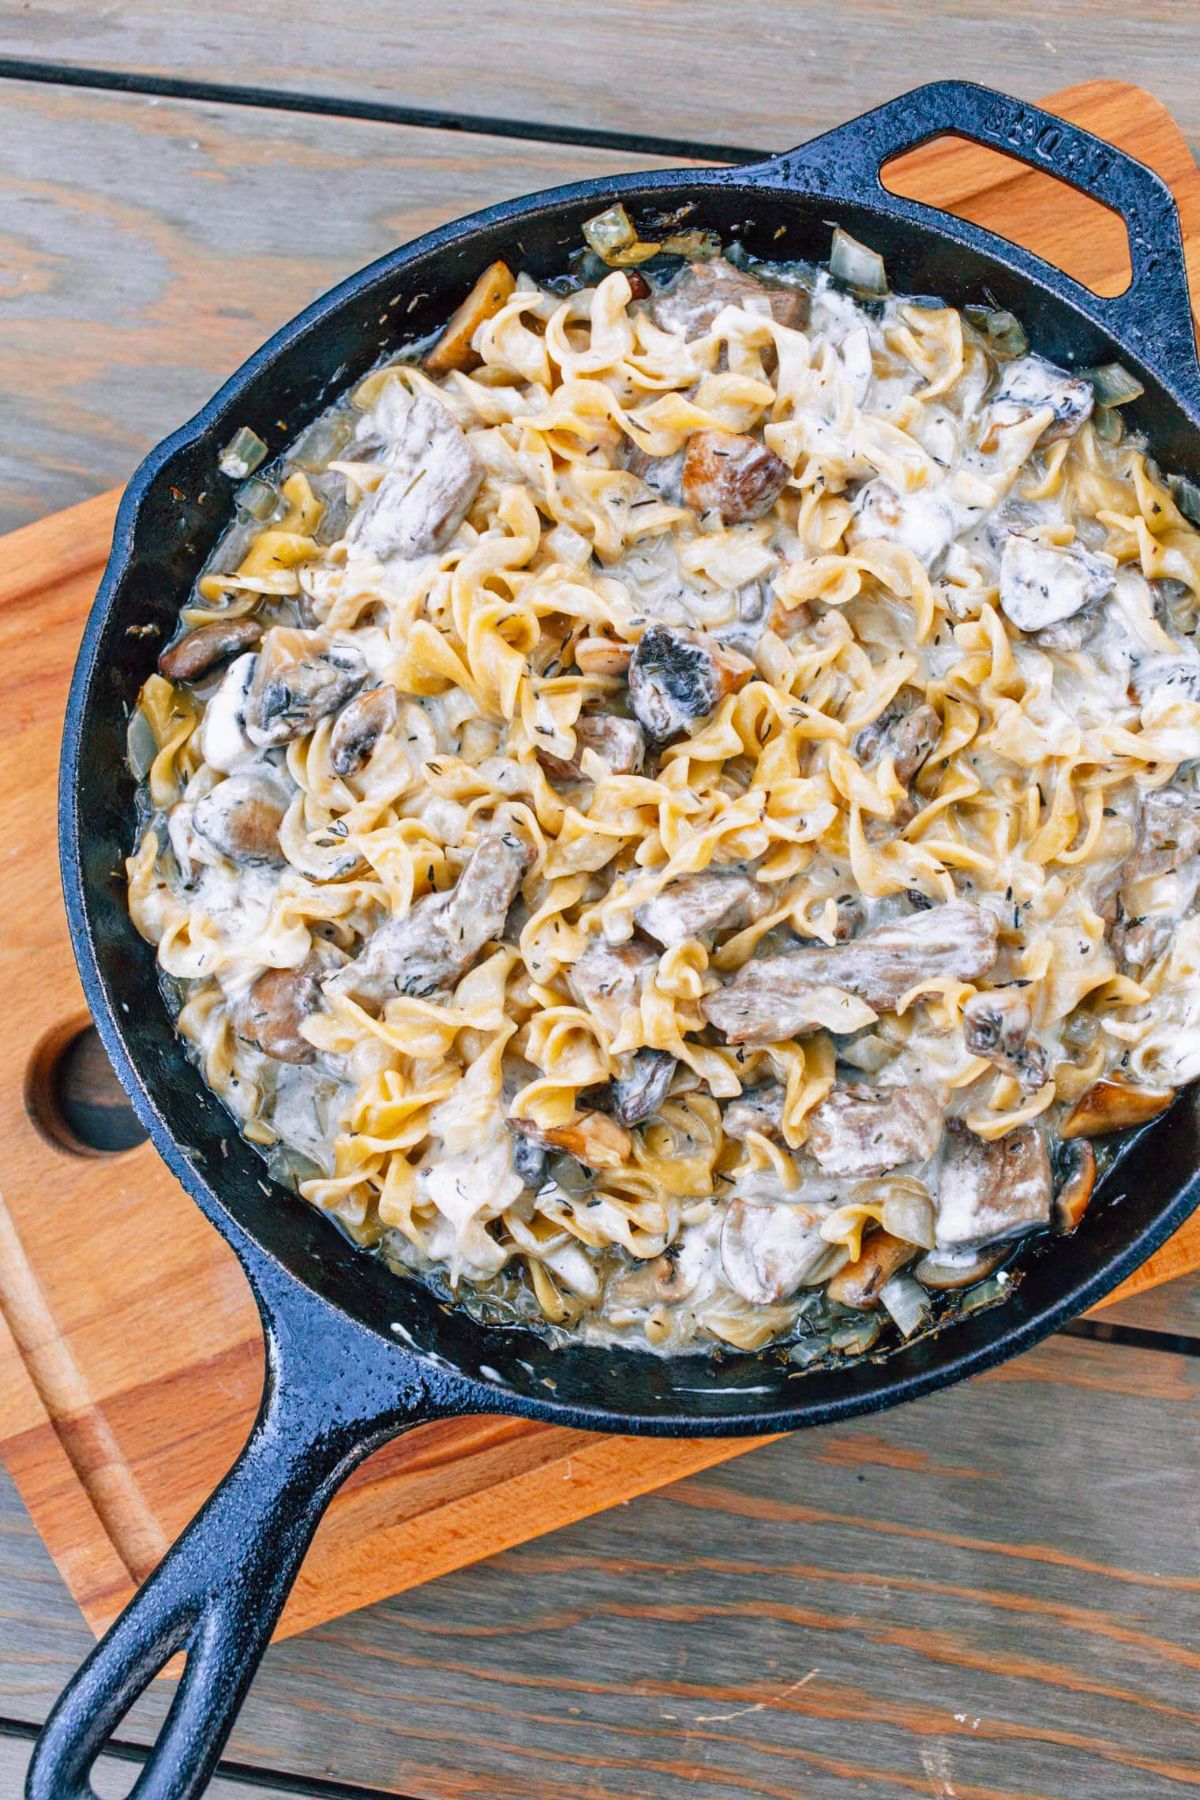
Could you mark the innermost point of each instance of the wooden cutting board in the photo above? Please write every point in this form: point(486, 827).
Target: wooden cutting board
point(130, 1359)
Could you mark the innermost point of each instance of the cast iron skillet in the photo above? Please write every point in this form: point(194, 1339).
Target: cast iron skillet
point(354, 1355)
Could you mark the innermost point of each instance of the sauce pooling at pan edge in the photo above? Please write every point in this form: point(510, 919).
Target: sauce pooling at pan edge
point(673, 817)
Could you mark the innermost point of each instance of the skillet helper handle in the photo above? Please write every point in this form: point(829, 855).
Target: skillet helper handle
point(219, 1591)
point(1153, 316)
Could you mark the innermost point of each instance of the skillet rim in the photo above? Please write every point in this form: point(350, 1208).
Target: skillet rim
point(980, 1346)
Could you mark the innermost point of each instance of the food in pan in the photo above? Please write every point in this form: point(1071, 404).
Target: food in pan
point(671, 811)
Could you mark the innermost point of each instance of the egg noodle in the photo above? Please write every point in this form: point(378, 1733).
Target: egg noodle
point(961, 552)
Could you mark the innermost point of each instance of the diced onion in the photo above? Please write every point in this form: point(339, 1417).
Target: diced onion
point(256, 497)
point(856, 1339)
point(1106, 423)
point(908, 1214)
point(907, 1302)
point(1186, 496)
point(612, 237)
point(986, 1293)
point(242, 454)
point(141, 745)
point(1113, 385)
point(1003, 329)
point(857, 266)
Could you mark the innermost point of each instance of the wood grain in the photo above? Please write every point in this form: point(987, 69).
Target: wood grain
point(133, 1363)
point(146, 248)
point(768, 74)
point(991, 1593)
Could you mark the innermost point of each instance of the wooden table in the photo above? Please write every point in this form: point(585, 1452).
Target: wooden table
point(993, 1593)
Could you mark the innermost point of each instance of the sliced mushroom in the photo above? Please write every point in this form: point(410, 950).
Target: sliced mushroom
point(662, 474)
point(300, 677)
point(858, 1284)
point(676, 679)
point(433, 475)
point(453, 349)
point(593, 1139)
point(996, 1025)
point(768, 1249)
point(1114, 1104)
point(768, 1001)
point(869, 1130)
point(924, 522)
point(733, 475)
point(756, 1109)
point(529, 1160)
point(608, 979)
point(907, 738)
point(1140, 942)
point(943, 1270)
point(359, 727)
point(202, 649)
point(693, 300)
point(1040, 584)
point(696, 904)
point(1077, 1184)
point(442, 934)
point(223, 741)
point(619, 743)
point(1031, 385)
point(241, 817)
point(1168, 833)
point(989, 1191)
point(956, 941)
point(639, 1092)
point(1179, 676)
point(270, 1015)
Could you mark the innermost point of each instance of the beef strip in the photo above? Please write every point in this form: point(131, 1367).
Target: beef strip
point(433, 475)
point(994, 1190)
point(697, 904)
point(702, 290)
point(868, 1130)
point(608, 979)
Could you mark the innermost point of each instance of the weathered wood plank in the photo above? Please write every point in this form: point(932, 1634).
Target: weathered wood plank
point(1175, 1308)
point(111, 1777)
point(991, 1593)
point(670, 68)
point(150, 246)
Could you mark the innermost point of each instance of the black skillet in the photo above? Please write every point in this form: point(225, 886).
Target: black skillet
point(355, 1355)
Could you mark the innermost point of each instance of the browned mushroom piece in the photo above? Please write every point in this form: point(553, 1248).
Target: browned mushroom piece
point(769, 1248)
point(433, 475)
point(453, 349)
point(270, 1015)
point(906, 737)
point(359, 727)
point(696, 904)
point(593, 1139)
point(637, 1093)
point(1114, 1104)
point(858, 1284)
point(676, 678)
point(299, 678)
point(441, 935)
point(945, 1270)
point(1031, 385)
point(241, 818)
point(755, 1109)
point(988, 1191)
point(662, 474)
point(698, 294)
point(1076, 1187)
point(996, 1025)
point(1168, 833)
point(868, 1130)
point(202, 649)
point(733, 475)
point(609, 978)
point(619, 743)
point(767, 1001)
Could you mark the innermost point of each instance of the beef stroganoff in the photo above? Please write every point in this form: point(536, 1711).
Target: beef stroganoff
point(671, 814)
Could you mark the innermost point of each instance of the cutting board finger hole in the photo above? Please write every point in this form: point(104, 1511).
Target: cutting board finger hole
point(73, 1097)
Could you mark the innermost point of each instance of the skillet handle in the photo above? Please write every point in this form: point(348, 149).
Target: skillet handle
point(1153, 316)
point(332, 1394)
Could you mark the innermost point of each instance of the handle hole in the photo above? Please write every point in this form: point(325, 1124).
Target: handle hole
point(1078, 234)
point(73, 1097)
